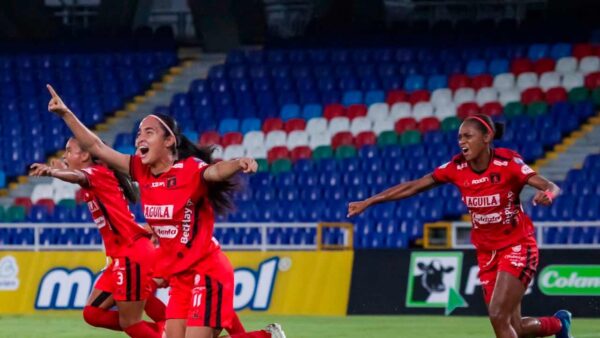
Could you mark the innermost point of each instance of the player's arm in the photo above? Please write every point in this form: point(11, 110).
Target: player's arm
point(547, 189)
point(87, 139)
point(224, 170)
point(398, 192)
point(67, 175)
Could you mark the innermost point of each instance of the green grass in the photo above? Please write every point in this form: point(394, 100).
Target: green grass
point(70, 325)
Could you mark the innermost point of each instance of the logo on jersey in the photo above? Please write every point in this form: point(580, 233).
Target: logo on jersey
point(461, 166)
point(171, 182)
point(186, 225)
point(165, 231)
point(495, 177)
point(481, 180)
point(501, 163)
point(178, 165)
point(157, 184)
point(93, 206)
point(526, 170)
point(100, 222)
point(201, 164)
point(487, 219)
point(482, 201)
point(158, 211)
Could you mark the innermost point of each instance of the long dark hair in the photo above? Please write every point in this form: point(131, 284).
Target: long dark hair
point(497, 127)
point(219, 193)
point(129, 190)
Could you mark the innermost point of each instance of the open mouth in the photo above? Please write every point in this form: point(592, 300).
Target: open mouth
point(143, 150)
point(464, 150)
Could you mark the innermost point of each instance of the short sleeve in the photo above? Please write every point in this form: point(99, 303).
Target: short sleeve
point(136, 167)
point(444, 173)
point(199, 167)
point(94, 176)
point(521, 170)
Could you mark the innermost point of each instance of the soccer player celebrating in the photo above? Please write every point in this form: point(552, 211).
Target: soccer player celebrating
point(490, 181)
point(181, 190)
point(128, 278)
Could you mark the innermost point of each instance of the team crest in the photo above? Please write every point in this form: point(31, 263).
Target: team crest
point(171, 182)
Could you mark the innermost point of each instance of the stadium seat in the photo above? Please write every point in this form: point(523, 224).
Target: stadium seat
point(231, 138)
point(342, 138)
point(400, 110)
point(334, 110)
point(300, 152)
point(395, 96)
point(365, 138)
point(210, 138)
point(277, 152)
point(233, 151)
point(338, 124)
point(271, 124)
point(566, 65)
point(486, 95)
point(378, 111)
point(572, 80)
point(275, 138)
point(318, 140)
point(504, 81)
point(464, 95)
point(467, 109)
point(482, 81)
point(297, 138)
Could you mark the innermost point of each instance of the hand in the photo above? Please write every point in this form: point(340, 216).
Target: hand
point(542, 198)
point(40, 169)
point(248, 165)
point(355, 208)
point(56, 104)
point(57, 164)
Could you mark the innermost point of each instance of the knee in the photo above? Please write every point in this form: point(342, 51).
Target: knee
point(90, 315)
point(499, 318)
point(126, 321)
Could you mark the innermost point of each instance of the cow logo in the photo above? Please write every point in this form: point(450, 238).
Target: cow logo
point(434, 281)
point(9, 271)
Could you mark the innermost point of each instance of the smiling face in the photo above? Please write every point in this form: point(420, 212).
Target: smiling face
point(75, 157)
point(152, 143)
point(472, 141)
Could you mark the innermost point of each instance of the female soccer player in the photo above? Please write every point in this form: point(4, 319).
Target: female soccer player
point(181, 189)
point(128, 278)
point(490, 181)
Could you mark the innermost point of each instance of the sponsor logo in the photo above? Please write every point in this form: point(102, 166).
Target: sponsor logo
point(186, 225)
point(157, 184)
point(518, 161)
point(178, 165)
point(64, 289)
point(158, 211)
point(9, 271)
point(254, 288)
point(526, 170)
point(434, 280)
point(516, 248)
point(570, 280)
point(461, 166)
point(488, 218)
point(501, 163)
point(481, 180)
point(100, 222)
point(483, 201)
point(165, 231)
point(473, 282)
point(93, 206)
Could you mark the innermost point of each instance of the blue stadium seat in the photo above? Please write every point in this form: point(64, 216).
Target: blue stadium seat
point(560, 50)
point(414, 82)
point(374, 96)
point(436, 82)
point(476, 67)
point(498, 66)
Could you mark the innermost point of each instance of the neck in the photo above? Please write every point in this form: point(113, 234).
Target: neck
point(163, 165)
point(481, 162)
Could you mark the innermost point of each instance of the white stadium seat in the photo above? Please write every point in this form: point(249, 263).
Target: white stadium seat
point(566, 65)
point(550, 80)
point(217, 152)
point(42, 191)
point(589, 64)
point(361, 124)
point(378, 111)
point(463, 95)
point(383, 125)
point(338, 124)
point(509, 95)
point(504, 81)
point(297, 138)
point(485, 95)
point(400, 110)
point(316, 125)
point(445, 111)
point(257, 152)
point(322, 139)
point(572, 80)
point(527, 80)
point(275, 138)
point(234, 151)
point(422, 110)
point(253, 139)
point(441, 96)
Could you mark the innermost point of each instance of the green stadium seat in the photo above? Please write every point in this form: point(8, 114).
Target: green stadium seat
point(15, 213)
point(578, 94)
point(513, 109)
point(410, 137)
point(345, 152)
point(322, 152)
point(451, 123)
point(263, 165)
point(596, 96)
point(2, 214)
point(68, 202)
point(281, 165)
point(537, 108)
point(387, 138)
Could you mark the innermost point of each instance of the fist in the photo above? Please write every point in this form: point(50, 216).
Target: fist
point(248, 165)
point(542, 198)
point(355, 208)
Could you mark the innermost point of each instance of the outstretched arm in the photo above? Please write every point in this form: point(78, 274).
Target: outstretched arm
point(223, 170)
point(67, 175)
point(88, 140)
point(398, 192)
point(547, 190)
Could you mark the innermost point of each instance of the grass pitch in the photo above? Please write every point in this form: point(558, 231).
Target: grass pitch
point(71, 325)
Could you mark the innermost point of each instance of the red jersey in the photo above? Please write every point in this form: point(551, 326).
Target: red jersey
point(177, 207)
point(492, 197)
point(110, 210)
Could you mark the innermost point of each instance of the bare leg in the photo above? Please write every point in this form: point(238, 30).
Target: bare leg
point(507, 296)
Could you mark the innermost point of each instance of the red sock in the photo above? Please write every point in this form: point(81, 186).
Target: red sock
point(549, 326)
point(155, 309)
point(98, 317)
point(236, 326)
point(253, 334)
point(142, 329)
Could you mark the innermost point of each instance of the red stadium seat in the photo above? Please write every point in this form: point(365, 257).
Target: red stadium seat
point(295, 124)
point(272, 123)
point(556, 94)
point(277, 153)
point(80, 196)
point(419, 96)
point(232, 138)
point(404, 124)
point(48, 203)
point(365, 138)
point(544, 65)
point(457, 81)
point(334, 110)
point(342, 138)
point(592, 80)
point(531, 95)
point(24, 201)
point(429, 124)
point(395, 96)
point(492, 109)
point(582, 50)
point(467, 109)
point(482, 81)
point(302, 152)
point(521, 66)
point(209, 138)
point(356, 110)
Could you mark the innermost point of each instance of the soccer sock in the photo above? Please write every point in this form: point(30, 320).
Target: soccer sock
point(549, 326)
point(142, 329)
point(253, 334)
point(155, 309)
point(98, 317)
point(236, 325)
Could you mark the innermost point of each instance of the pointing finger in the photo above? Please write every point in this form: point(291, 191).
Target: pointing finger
point(52, 91)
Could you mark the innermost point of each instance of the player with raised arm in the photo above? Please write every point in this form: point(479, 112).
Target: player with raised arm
point(127, 280)
point(181, 190)
point(490, 181)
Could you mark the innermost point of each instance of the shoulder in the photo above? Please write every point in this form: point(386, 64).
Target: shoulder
point(457, 162)
point(97, 169)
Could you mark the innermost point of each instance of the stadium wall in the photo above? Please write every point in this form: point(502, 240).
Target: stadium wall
point(300, 283)
point(393, 282)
